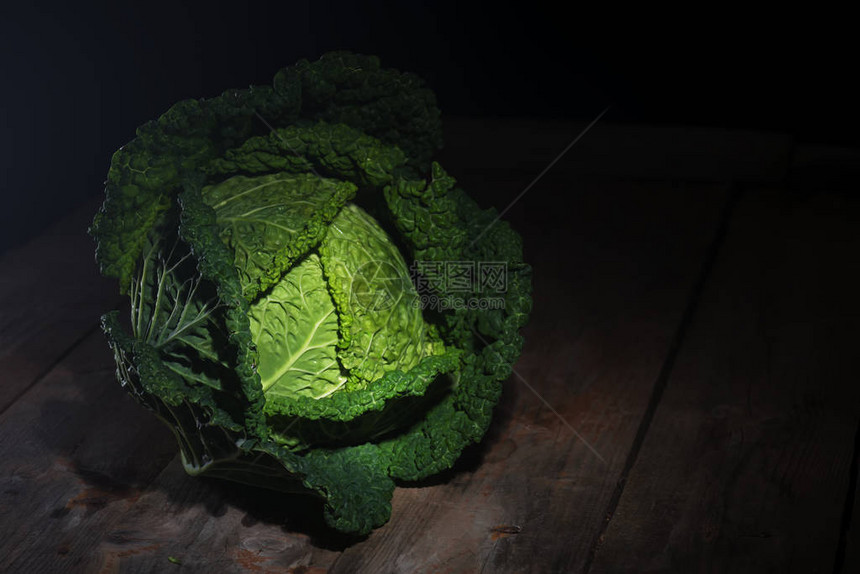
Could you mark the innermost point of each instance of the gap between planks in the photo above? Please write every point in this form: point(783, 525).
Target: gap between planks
point(613, 274)
point(57, 361)
point(845, 562)
point(734, 193)
point(747, 465)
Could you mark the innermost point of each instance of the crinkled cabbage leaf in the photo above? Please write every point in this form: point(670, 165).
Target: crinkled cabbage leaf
point(268, 240)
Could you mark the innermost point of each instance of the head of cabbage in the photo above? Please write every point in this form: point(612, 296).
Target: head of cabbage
point(284, 249)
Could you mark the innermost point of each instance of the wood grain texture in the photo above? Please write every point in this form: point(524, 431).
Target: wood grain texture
point(612, 274)
point(211, 526)
point(745, 467)
point(76, 452)
point(91, 483)
point(848, 557)
point(51, 294)
point(85, 476)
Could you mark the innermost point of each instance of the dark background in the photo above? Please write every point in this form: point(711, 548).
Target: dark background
point(78, 78)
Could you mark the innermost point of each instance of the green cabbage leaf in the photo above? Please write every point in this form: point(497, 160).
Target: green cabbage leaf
point(275, 243)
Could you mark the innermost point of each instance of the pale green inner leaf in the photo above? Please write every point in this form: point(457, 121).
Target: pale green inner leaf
point(373, 289)
point(295, 329)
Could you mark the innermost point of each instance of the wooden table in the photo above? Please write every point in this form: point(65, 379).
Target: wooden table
point(687, 402)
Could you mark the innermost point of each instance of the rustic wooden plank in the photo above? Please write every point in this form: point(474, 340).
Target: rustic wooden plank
point(824, 167)
point(746, 464)
point(100, 450)
point(613, 270)
point(848, 554)
point(214, 526)
point(91, 483)
point(74, 451)
point(51, 295)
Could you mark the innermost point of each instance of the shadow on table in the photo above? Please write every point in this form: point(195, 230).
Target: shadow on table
point(119, 452)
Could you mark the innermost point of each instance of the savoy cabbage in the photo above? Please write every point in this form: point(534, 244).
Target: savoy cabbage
point(268, 240)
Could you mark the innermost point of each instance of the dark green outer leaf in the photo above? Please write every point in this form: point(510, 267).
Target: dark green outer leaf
point(147, 174)
point(392, 106)
point(199, 229)
point(354, 505)
point(172, 156)
point(328, 150)
point(434, 443)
